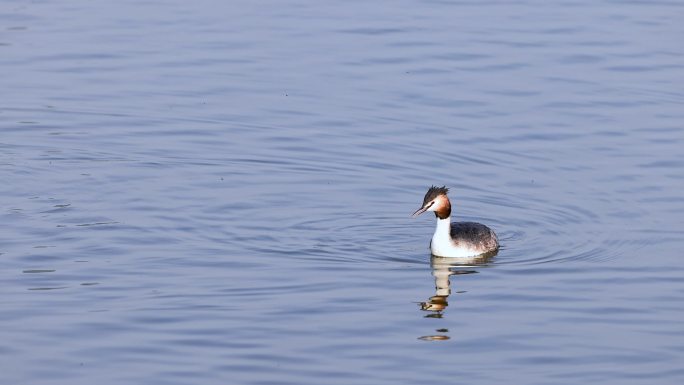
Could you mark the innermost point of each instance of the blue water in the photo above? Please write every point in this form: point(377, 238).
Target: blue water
point(219, 192)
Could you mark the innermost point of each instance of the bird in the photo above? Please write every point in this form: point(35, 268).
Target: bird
point(458, 239)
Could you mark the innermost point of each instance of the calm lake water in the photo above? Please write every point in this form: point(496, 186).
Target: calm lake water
point(217, 192)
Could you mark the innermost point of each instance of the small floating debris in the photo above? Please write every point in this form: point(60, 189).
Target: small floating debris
point(434, 338)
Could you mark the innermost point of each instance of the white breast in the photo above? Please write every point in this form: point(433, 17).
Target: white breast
point(443, 246)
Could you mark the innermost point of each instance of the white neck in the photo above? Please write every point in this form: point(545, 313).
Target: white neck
point(444, 227)
point(441, 240)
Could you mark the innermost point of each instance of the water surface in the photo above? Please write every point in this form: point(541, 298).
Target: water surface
point(216, 192)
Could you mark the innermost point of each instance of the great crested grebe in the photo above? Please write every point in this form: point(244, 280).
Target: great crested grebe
point(458, 239)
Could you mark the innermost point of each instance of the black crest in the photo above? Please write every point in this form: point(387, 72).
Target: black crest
point(434, 192)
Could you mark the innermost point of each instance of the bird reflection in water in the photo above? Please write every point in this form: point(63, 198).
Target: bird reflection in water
point(442, 270)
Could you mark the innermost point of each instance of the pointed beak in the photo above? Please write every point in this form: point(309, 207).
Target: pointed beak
point(419, 211)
